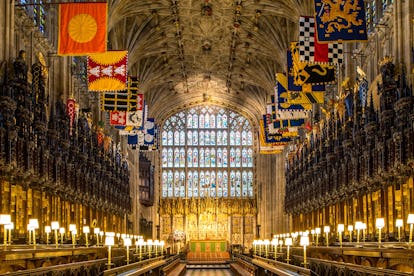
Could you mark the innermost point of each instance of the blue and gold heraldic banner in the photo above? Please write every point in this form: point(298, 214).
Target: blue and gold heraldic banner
point(340, 20)
point(297, 100)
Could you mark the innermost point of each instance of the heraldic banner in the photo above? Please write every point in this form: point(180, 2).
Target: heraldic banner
point(82, 28)
point(107, 71)
point(340, 20)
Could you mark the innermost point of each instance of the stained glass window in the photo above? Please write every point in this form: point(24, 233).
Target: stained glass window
point(36, 9)
point(374, 11)
point(369, 12)
point(189, 184)
point(170, 157)
point(189, 138)
point(189, 158)
point(199, 146)
point(182, 157)
point(164, 185)
point(202, 138)
point(164, 157)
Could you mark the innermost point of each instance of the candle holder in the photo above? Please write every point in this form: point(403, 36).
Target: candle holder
point(29, 234)
point(118, 236)
point(55, 228)
point(341, 228)
point(86, 231)
point(109, 241)
point(312, 235)
point(254, 247)
point(34, 224)
point(317, 232)
point(48, 230)
point(379, 223)
point(304, 241)
point(62, 232)
point(73, 231)
point(9, 227)
point(410, 221)
point(350, 230)
point(101, 234)
point(364, 231)
point(327, 229)
point(358, 228)
point(399, 223)
point(4, 220)
point(149, 248)
point(156, 244)
point(281, 244)
point(288, 243)
point(274, 243)
point(266, 245)
point(127, 243)
point(162, 243)
point(259, 243)
point(96, 231)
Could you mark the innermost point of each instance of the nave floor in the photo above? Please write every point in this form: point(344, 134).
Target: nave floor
point(208, 270)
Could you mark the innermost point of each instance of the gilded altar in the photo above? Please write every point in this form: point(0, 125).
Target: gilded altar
point(208, 219)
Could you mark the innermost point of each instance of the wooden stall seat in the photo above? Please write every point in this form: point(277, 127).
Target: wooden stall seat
point(175, 268)
point(242, 268)
point(208, 257)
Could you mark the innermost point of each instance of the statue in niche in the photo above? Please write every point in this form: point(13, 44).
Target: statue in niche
point(20, 67)
point(387, 69)
point(20, 89)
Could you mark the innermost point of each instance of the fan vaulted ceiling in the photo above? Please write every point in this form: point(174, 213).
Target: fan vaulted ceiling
point(187, 52)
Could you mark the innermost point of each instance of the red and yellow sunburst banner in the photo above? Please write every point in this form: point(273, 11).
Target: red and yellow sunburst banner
point(82, 28)
point(107, 71)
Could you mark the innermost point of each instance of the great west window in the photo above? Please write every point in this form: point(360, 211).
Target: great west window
point(207, 152)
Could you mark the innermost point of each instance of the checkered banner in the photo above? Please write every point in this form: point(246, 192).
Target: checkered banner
point(312, 51)
point(304, 73)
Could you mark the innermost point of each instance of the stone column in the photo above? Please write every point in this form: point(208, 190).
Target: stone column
point(6, 30)
point(270, 182)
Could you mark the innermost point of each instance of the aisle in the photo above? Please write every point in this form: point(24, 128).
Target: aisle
point(208, 272)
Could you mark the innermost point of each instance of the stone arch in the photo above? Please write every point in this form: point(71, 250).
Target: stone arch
point(339, 258)
point(58, 261)
point(403, 267)
point(45, 263)
point(9, 268)
point(382, 263)
point(366, 262)
point(355, 260)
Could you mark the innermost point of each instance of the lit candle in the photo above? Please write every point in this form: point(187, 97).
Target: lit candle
point(341, 229)
point(379, 223)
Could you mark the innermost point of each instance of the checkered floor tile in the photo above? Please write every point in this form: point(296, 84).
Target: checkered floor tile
point(207, 270)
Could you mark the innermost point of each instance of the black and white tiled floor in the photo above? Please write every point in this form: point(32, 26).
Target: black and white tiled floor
point(208, 270)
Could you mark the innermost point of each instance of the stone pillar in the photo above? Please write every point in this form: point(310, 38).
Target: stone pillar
point(6, 30)
point(271, 195)
point(258, 231)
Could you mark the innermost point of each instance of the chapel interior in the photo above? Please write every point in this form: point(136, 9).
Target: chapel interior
point(219, 162)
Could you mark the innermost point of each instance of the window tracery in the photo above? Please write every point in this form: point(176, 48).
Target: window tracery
point(200, 159)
